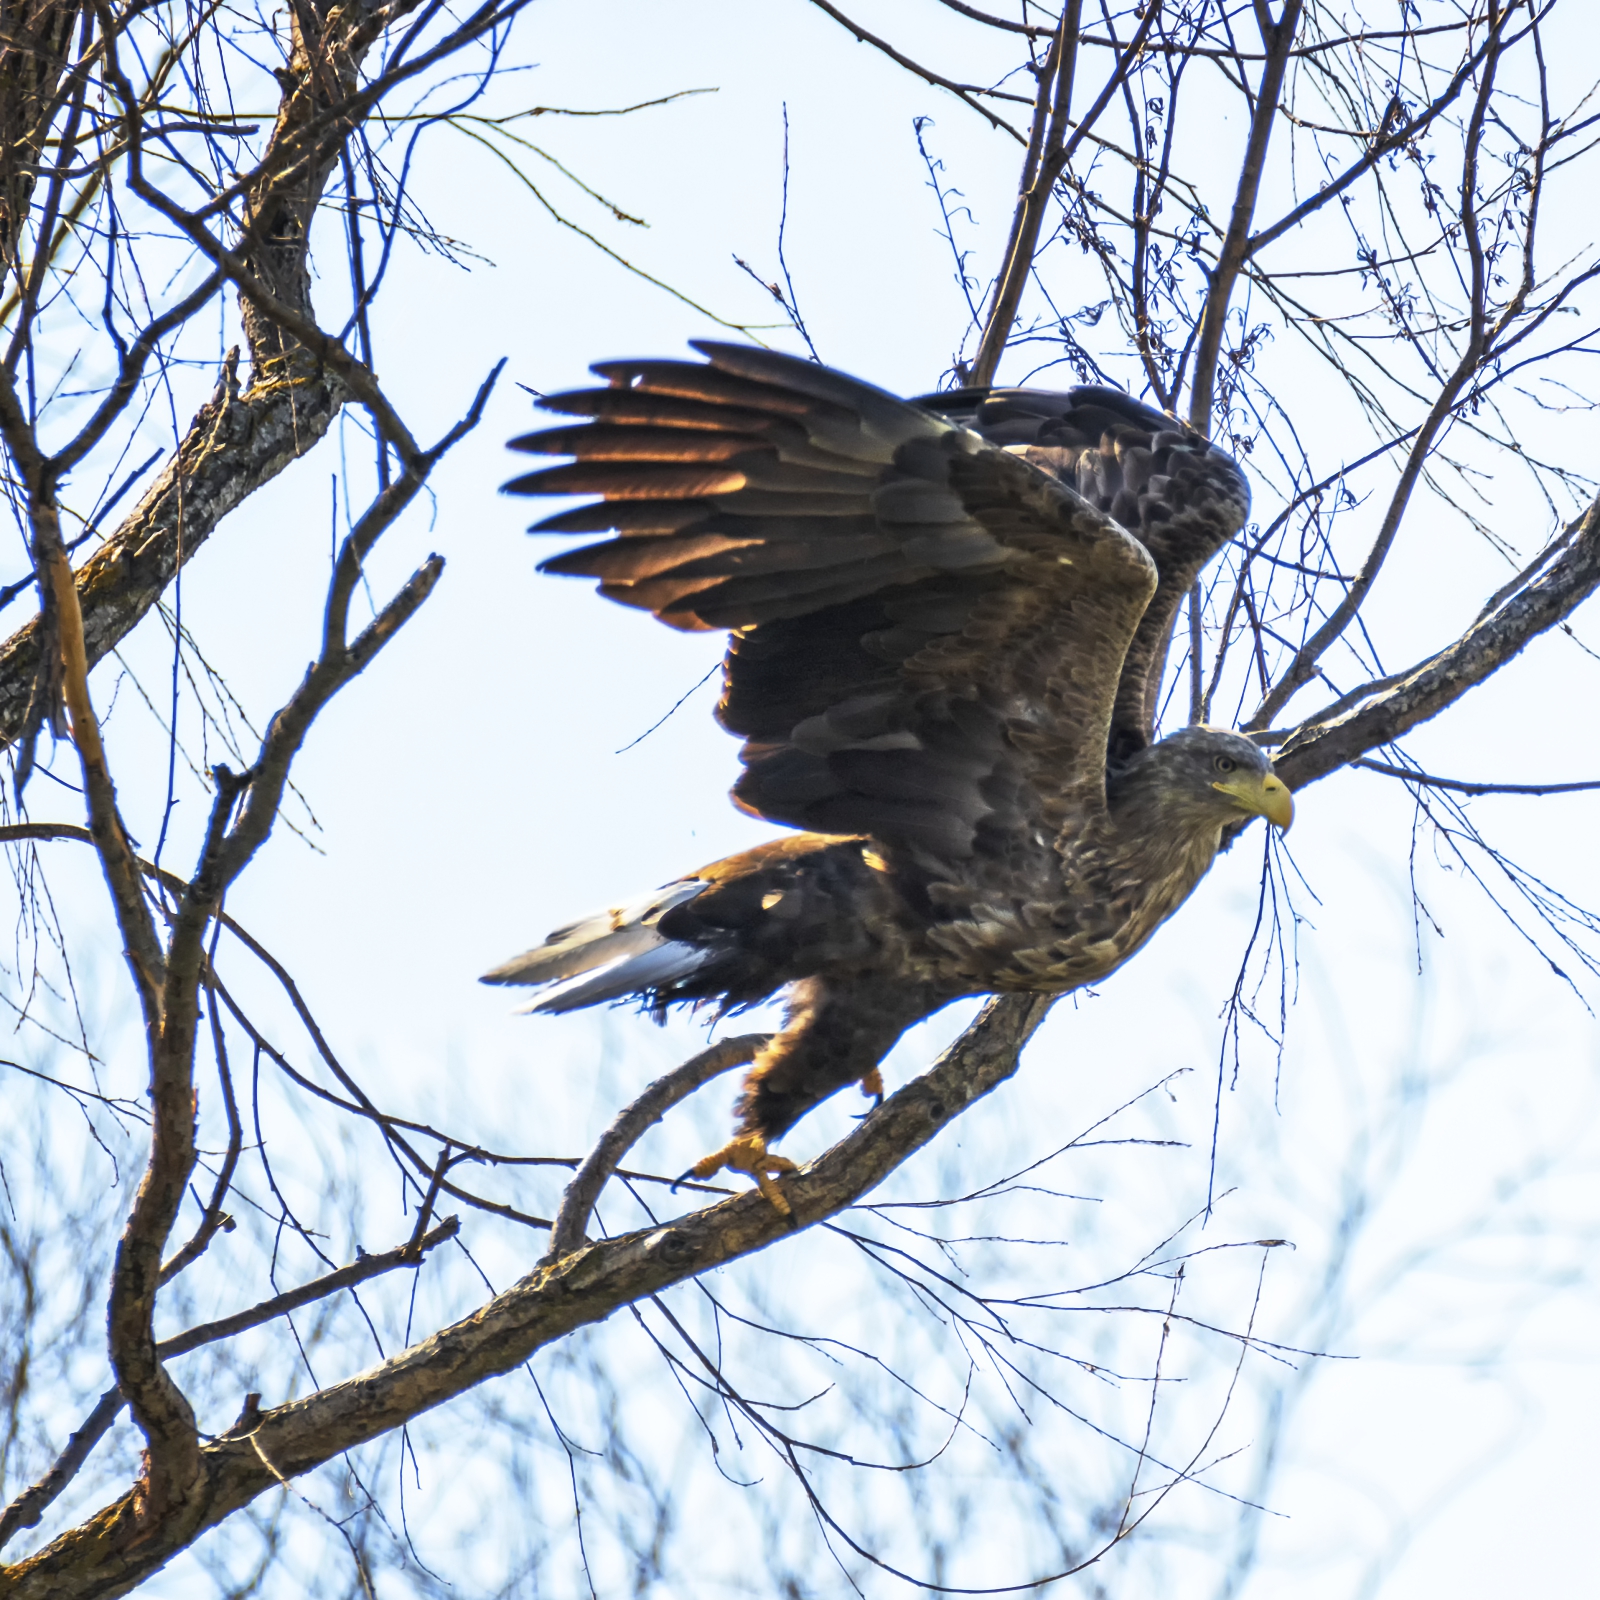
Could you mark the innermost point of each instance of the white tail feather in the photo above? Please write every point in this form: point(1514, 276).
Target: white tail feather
point(568, 954)
point(620, 947)
point(647, 970)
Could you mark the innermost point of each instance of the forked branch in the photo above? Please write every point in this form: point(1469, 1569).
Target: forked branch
point(109, 1555)
point(28, 1509)
point(631, 1123)
point(1322, 745)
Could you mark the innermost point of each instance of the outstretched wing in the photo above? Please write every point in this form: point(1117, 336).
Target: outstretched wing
point(929, 630)
point(1182, 496)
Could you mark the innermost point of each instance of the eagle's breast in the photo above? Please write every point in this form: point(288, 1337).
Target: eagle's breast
point(1110, 893)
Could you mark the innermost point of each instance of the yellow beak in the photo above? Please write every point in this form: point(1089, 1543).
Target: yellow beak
point(1267, 797)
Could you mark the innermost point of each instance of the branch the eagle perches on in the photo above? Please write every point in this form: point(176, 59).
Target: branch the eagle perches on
point(583, 1287)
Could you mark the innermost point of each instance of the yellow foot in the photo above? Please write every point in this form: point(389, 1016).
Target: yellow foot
point(872, 1086)
point(749, 1153)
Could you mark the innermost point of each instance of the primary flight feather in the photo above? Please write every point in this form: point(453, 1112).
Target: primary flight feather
point(948, 621)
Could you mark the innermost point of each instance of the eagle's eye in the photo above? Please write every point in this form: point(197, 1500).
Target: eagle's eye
point(1225, 763)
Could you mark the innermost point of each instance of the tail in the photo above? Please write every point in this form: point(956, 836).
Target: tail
point(733, 933)
point(610, 955)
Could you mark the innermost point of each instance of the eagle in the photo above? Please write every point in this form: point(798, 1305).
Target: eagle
point(948, 621)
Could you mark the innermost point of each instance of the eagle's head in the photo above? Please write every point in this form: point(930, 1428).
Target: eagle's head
point(1202, 779)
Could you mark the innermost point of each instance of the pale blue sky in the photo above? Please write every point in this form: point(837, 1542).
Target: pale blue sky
point(472, 796)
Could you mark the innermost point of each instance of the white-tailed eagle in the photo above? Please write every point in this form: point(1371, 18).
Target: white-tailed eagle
point(948, 619)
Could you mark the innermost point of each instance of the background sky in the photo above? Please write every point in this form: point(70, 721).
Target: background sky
point(1426, 1141)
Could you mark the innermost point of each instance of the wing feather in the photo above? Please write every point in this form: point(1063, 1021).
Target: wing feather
point(1176, 491)
point(929, 629)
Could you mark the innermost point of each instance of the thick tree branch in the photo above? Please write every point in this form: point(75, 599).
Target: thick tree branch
point(233, 446)
point(107, 1556)
point(237, 442)
point(158, 1406)
point(34, 39)
point(1321, 744)
point(28, 1509)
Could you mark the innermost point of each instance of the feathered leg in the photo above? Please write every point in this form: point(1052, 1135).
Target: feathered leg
point(830, 1038)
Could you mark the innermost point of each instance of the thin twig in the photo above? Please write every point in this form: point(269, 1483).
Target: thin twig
point(1461, 787)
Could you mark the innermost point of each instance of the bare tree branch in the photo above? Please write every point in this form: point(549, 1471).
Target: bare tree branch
point(28, 1509)
point(112, 1553)
point(1317, 748)
point(965, 92)
point(1458, 786)
point(631, 1123)
point(1278, 40)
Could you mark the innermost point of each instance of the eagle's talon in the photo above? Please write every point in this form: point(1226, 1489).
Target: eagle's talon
point(749, 1154)
point(768, 1185)
point(872, 1086)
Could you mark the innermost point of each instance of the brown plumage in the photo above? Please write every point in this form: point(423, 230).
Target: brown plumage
point(949, 621)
